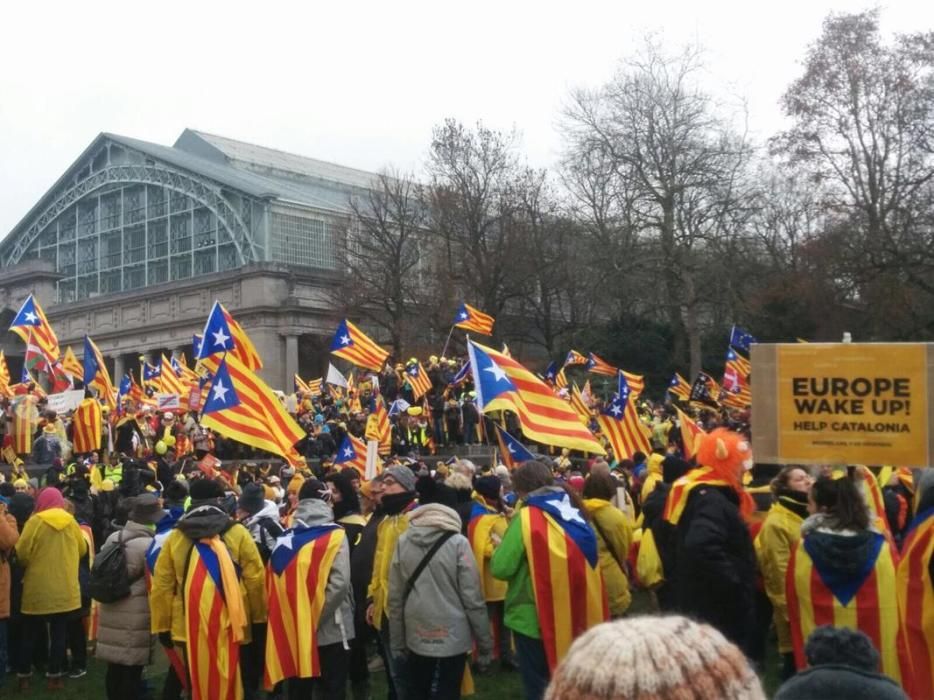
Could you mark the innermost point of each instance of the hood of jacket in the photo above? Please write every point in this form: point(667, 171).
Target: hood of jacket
point(654, 464)
point(57, 518)
point(427, 522)
point(203, 521)
point(269, 510)
point(594, 504)
point(838, 553)
point(313, 511)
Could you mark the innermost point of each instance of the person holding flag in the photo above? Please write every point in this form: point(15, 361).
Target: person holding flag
point(207, 589)
point(310, 601)
point(555, 591)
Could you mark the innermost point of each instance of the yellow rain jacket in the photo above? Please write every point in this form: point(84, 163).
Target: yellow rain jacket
point(387, 534)
point(653, 475)
point(165, 599)
point(780, 531)
point(614, 535)
point(49, 550)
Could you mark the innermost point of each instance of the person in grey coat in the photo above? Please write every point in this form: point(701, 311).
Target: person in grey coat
point(124, 639)
point(335, 627)
point(432, 630)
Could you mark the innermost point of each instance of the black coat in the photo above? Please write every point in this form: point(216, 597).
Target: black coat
point(839, 682)
point(665, 542)
point(715, 570)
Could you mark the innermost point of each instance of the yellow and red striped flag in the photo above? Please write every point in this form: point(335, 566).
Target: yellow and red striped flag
point(169, 382)
point(574, 358)
point(214, 622)
point(4, 371)
point(296, 579)
point(25, 420)
point(29, 321)
point(691, 433)
point(819, 597)
point(577, 401)
point(72, 366)
point(620, 424)
point(561, 379)
point(418, 379)
point(598, 365)
point(314, 386)
point(353, 345)
point(914, 591)
point(502, 383)
point(242, 407)
point(300, 385)
point(222, 334)
point(679, 387)
point(471, 319)
point(86, 423)
point(378, 427)
point(96, 375)
point(352, 453)
point(561, 548)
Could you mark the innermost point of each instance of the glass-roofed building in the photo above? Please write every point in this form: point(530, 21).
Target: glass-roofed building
point(135, 241)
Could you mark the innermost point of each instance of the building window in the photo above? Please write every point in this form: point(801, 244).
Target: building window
point(301, 239)
point(134, 209)
point(87, 286)
point(87, 255)
point(227, 258)
point(158, 271)
point(158, 239)
point(87, 217)
point(110, 282)
point(111, 250)
point(110, 211)
point(205, 261)
point(181, 267)
point(155, 200)
point(134, 250)
point(181, 233)
point(134, 277)
point(66, 260)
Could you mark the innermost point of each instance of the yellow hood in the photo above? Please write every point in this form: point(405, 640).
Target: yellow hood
point(654, 464)
point(58, 518)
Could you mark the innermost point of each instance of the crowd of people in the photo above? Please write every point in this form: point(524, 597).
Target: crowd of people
point(256, 576)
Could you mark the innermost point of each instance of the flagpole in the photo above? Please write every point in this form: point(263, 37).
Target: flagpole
point(450, 333)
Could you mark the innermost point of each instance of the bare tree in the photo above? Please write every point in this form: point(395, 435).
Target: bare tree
point(682, 164)
point(383, 256)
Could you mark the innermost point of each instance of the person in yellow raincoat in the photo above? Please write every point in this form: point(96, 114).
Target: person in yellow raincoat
point(614, 536)
point(779, 533)
point(653, 475)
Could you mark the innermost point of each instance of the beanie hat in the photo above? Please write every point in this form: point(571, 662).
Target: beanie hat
point(252, 499)
point(650, 657)
point(145, 509)
point(404, 476)
point(488, 487)
point(313, 488)
point(205, 489)
point(49, 497)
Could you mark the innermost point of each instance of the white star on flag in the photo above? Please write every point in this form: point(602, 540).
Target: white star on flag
point(511, 448)
point(284, 541)
point(220, 391)
point(348, 452)
point(498, 372)
point(30, 317)
point(567, 511)
point(220, 338)
point(345, 340)
point(616, 410)
point(464, 316)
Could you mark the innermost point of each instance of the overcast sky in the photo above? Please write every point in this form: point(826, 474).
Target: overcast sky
point(360, 83)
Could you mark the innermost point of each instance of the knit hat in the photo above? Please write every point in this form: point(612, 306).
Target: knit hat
point(488, 487)
point(49, 497)
point(252, 499)
point(650, 657)
point(404, 476)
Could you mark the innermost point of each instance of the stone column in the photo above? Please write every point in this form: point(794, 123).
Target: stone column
point(119, 369)
point(291, 360)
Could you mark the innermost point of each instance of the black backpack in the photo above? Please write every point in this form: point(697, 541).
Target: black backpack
point(110, 580)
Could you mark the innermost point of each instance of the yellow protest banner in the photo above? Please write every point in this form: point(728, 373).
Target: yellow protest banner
point(843, 403)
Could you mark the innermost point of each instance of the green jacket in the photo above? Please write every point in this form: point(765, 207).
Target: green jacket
point(509, 564)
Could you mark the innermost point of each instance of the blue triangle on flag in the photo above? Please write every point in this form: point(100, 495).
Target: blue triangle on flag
point(223, 394)
point(342, 337)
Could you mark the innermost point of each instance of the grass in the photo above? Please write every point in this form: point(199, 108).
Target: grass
point(495, 685)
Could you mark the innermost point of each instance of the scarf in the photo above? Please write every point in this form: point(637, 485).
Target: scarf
point(395, 503)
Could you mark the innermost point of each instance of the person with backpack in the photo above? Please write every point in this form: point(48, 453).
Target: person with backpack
point(209, 565)
point(436, 605)
point(124, 639)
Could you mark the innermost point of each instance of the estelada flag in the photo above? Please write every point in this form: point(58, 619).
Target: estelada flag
point(821, 595)
point(353, 345)
point(561, 549)
point(574, 358)
point(96, 375)
point(86, 423)
point(169, 381)
point(29, 321)
point(620, 424)
point(242, 407)
point(679, 387)
point(214, 622)
point(296, 581)
point(25, 419)
point(480, 526)
point(72, 366)
point(417, 377)
point(512, 452)
point(915, 593)
point(691, 433)
point(471, 319)
point(502, 383)
point(222, 334)
point(681, 489)
point(378, 427)
point(352, 453)
point(598, 365)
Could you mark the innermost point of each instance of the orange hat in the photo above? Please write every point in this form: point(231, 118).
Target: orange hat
point(727, 453)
